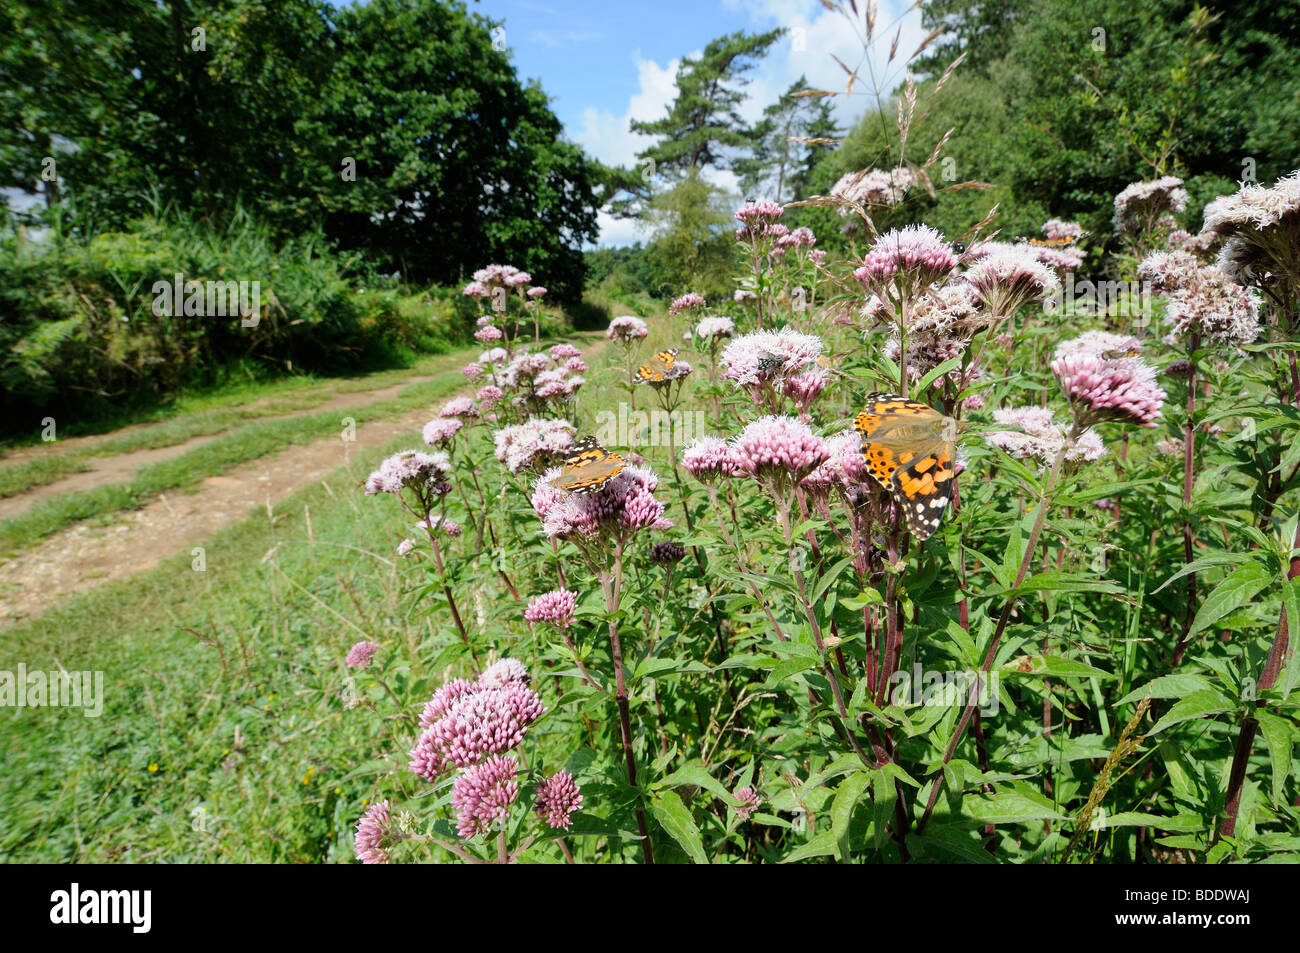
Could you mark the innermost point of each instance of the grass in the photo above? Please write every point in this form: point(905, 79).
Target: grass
point(239, 666)
point(241, 445)
point(227, 732)
point(210, 414)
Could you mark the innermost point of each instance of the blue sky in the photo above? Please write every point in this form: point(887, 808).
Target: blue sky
point(604, 63)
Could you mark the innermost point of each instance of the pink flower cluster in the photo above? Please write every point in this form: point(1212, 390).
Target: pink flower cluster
point(709, 458)
point(423, 472)
point(626, 504)
point(778, 447)
point(749, 802)
point(764, 355)
point(554, 608)
point(458, 407)
point(522, 446)
point(687, 302)
point(466, 722)
point(558, 799)
point(873, 187)
point(484, 794)
point(359, 655)
point(1140, 205)
point(1008, 277)
point(907, 261)
point(1054, 228)
point(1040, 437)
point(371, 831)
point(843, 467)
point(441, 432)
point(1101, 388)
point(440, 524)
point(502, 276)
point(717, 327)
point(758, 221)
point(626, 329)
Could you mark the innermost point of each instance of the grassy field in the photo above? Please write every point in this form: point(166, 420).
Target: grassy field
point(230, 729)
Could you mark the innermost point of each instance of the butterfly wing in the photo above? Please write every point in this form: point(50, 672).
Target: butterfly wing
point(588, 467)
point(923, 489)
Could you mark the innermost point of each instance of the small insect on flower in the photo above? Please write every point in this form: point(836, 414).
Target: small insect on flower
point(588, 467)
point(664, 366)
point(910, 450)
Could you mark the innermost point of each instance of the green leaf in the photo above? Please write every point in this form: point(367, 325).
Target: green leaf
point(846, 799)
point(935, 373)
point(1168, 686)
point(1010, 807)
point(694, 773)
point(1205, 562)
point(1053, 665)
point(1278, 735)
point(673, 816)
point(1232, 593)
point(819, 846)
point(1196, 705)
point(1055, 581)
point(950, 842)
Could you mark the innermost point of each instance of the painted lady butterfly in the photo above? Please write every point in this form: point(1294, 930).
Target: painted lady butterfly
point(588, 467)
point(910, 449)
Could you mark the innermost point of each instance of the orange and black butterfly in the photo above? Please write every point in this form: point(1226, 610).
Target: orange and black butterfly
point(663, 366)
point(1116, 354)
point(910, 450)
point(588, 467)
point(1060, 242)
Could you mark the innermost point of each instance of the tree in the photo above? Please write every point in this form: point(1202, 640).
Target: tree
point(778, 160)
point(702, 128)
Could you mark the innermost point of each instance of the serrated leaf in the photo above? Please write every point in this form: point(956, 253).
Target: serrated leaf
point(819, 846)
point(846, 799)
point(694, 773)
point(1168, 686)
point(673, 816)
point(1278, 735)
point(1230, 594)
point(1196, 705)
point(1010, 807)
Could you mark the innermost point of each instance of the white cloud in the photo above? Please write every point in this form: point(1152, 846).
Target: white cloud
point(609, 137)
point(815, 36)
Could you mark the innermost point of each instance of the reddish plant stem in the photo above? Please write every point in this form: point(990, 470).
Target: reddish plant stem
point(1030, 548)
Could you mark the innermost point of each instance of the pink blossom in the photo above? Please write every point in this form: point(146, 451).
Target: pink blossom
point(472, 370)
point(1004, 280)
point(504, 672)
point(624, 505)
point(423, 472)
point(488, 333)
point(778, 447)
point(560, 351)
point(441, 431)
point(555, 608)
point(626, 328)
point(909, 259)
point(1138, 206)
point(709, 458)
point(687, 302)
point(716, 327)
point(371, 831)
point(359, 655)
point(483, 795)
point(750, 802)
point(1099, 388)
point(558, 799)
point(536, 292)
point(523, 445)
point(1040, 437)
